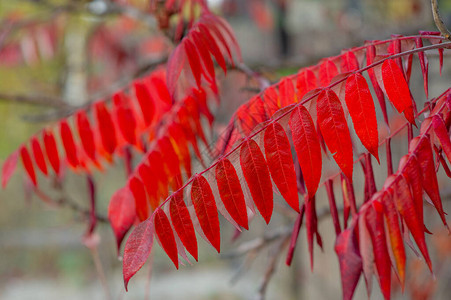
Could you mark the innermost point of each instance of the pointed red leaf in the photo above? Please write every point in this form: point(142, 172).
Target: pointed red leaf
point(39, 155)
point(280, 163)
point(442, 134)
point(180, 145)
point(306, 81)
point(182, 223)
point(286, 92)
point(347, 250)
point(257, 177)
point(170, 158)
point(421, 148)
point(150, 182)
point(86, 135)
point(193, 60)
point(125, 117)
point(204, 55)
point(332, 122)
point(8, 167)
point(106, 127)
point(394, 232)
point(405, 205)
point(175, 66)
point(166, 236)
point(206, 212)
point(349, 62)
point(137, 249)
point(121, 213)
point(231, 193)
point(327, 71)
point(28, 164)
point(308, 149)
point(146, 102)
point(51, 150)
point(69, 144)
point(398, 91)
point(213, 46)
point(139, 194)
point(361, 108)
point(375, 223)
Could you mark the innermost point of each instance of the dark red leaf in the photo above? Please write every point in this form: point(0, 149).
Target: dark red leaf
point(39, 155)
point(257, 177)
point(332, 122)
point(137, 249)
point(347, 250)
point(308, 149)
point(294, 235)
point(121, 213)
point(398, 91)
point(206, 212)
point(69, 144)
point(8, 167)
point(182, 223)
point(106, 127)
point(166, 236)
point(231, 193)
point(51, 150)
point(139, 194)
point(28, 164)
point(280, 163)
point(442, 134)
point(361, 108)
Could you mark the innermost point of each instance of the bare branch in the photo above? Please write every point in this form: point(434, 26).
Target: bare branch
point(439, 21)
point(39, 100)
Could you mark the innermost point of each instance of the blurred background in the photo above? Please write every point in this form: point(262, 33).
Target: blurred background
point(56, 54)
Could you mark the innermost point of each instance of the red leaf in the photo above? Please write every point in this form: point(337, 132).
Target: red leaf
point(213, 47)
point(206, 212)
point(394, 232)
point(405, 205)
point(421, 148)
point(121, 213)
point(442, 134)
point(166, 236)
point(150, 182)
point(8, 167)
point(182, 223)
point(38, 155)
point(193, 59)
point(332, 122)
point(349, 62)
point(86, 135)
point(28, 164)
point(69, 144)
point(139, 194)
point(311, 222)
point(106, 127)
point(204, 55)
point(397, 89)
point(137, 249)
point(347, 250)
point(51, 150)
point(280, 163)
point(146, 102)
point(125, 117)
point(181, 146)
point(308, 149)
point(327, 71)
point(306, 81)
point(361, 108)
point(231, 193)
point(169, 156)
point(257, 177)
point(175, 66)
point(286, 92)
point(375, 223)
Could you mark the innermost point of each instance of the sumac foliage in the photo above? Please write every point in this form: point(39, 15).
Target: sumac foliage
point(322, 113)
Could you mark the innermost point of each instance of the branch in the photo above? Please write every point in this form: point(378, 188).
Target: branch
point(439, 21)
point(39, 100)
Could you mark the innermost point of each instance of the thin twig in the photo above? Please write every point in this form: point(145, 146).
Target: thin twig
point(40, 100)
point(439, 21)
point(100, 271)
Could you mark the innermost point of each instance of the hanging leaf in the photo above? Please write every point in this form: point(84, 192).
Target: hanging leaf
point(137, 249)
point(182, 223)
point(28, 164)
point(69, 144)
point(39, 155)
point(442, 134)
point(206, 211)
point(280, 163)
point(145, 101)
point(121, 213)
point(106, 127)
point(332, 122)
point(166, 236)
point(8, 167)
point(361, 108)
point(257, 177)
point(231, 193)
point(51, 151)
point(139, 194)
point(86, 135)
